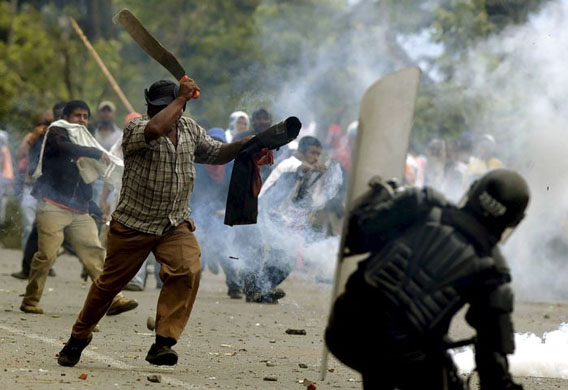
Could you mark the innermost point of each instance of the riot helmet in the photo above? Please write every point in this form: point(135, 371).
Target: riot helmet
point(498, 200)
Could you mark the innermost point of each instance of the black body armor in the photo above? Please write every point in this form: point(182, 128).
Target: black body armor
point(427, 260)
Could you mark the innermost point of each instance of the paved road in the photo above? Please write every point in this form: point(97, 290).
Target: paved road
point(227, 344)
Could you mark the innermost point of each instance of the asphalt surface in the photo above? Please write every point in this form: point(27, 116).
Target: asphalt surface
point(228, 344)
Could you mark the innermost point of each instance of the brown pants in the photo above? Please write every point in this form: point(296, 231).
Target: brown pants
point(179, 254)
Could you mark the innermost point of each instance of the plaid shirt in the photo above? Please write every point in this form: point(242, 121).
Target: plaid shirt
point(158, 177)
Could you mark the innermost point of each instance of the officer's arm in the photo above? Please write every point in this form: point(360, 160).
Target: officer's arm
point(490, 315)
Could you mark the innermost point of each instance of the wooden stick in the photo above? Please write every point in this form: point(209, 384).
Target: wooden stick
point(103, 67)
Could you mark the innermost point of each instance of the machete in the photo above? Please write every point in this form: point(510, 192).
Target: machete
point(151, 45)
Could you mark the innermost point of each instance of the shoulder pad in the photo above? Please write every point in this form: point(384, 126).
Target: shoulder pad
point(435, 198)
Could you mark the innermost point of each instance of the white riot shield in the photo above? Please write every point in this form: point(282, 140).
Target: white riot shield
point(385, 122)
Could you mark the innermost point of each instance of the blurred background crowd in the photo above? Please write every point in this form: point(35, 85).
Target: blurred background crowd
point(490, 96)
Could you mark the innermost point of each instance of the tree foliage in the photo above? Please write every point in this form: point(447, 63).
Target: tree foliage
point(248, 53)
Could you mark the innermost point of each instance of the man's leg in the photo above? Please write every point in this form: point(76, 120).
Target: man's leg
point(278, 267)
point(28, 208)
point(179, 255)
point(233, 280)
point(138, 282)
point(82, 234)
point(29, 251)
point(157, 268)
point(127, 250)
point(50, 221)
point(261, 285)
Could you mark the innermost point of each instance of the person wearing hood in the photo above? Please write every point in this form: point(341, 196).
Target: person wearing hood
point(208, 206)
point(238, 123)
point(64, 205)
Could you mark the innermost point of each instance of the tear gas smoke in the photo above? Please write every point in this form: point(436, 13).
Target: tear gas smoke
point(523, 107)
point(286, 235)
point(324, 83)
point(534, 356)
point(527, 116)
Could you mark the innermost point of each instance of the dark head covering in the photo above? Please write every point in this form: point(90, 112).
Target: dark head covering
point(161, 93)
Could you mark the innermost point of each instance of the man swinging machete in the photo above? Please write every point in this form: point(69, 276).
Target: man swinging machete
point(160, 150)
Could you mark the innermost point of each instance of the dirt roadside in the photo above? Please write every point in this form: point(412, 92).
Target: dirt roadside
point(228, 344)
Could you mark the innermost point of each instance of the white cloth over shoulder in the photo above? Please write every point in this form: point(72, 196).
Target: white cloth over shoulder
point(290, 165)
point(89, 168)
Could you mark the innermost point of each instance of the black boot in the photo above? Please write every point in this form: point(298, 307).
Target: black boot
point(71, 352)
point(235, 293)
point(161, 352)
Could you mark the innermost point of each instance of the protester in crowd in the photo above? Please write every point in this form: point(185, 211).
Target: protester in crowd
point(28, 202)
point(152, 215)
point(483, 160)
point(436, 156)
point(109, 197)
point(6, 173)
point(64, 204)
point(238, 123)
point(262, 120)
point(208, 209)
point(28, 155)
point(465, 147)
point(415, 167)
point(106, 131)
point(286, 202)
point(453, 172)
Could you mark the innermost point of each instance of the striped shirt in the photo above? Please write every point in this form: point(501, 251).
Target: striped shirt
point(158, 177)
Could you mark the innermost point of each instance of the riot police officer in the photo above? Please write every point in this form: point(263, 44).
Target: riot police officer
point(428, 258)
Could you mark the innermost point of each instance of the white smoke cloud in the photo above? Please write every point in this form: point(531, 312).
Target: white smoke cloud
point(519, 76)
point(526, 88)
point(534, 356)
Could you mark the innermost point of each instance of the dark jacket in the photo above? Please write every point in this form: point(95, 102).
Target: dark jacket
point(60, 180)
point(242, 200)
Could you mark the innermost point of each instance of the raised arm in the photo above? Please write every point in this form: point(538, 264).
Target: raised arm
point(162, 122)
